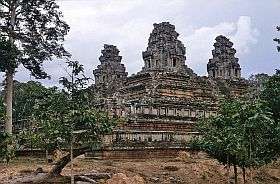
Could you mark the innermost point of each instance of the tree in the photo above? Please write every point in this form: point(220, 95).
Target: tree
point(271, 94)
point(243, 134)
point(48, 129)
point(218, 139)
point(5, 138)
point(26, 96)
point(70, 114)
point(31, 32)
point(260, 135)
point(277, 39)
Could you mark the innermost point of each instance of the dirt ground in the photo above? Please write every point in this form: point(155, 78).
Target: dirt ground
point(187, 171)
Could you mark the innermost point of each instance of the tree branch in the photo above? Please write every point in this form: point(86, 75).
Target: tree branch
point(56, 170)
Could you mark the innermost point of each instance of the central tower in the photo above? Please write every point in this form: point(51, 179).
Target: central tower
point(164, 52)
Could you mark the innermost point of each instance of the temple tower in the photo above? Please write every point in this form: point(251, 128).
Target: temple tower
point(164, 52)
point(224, 64)
point(111, 69)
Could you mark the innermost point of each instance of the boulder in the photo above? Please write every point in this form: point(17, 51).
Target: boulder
point(121, 178)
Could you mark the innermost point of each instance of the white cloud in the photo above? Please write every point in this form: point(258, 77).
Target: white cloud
point(200, 42)
point(245, 35)
point(127, 24)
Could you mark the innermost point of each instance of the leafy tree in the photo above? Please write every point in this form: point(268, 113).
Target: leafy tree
point(70, 115)
point(260, 134)
point(277, 39)
point(271, 94)
point(243, 134)
point(26, 96)
point(31, 32)
point(218, 139)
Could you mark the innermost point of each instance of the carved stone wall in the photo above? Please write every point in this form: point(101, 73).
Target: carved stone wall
point(162, 103)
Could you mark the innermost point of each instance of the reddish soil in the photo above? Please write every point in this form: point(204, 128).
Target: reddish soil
point(189, 171)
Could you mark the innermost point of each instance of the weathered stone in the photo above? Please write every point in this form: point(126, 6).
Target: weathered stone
point(159, 106)
point(165, 52)
point(224, 64)
point(111, 70)
point(123, 179)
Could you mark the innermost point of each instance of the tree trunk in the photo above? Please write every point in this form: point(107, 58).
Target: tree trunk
point(71, 159)
point(10, 81)
point(235, 172)
point(46, 154)
point(244, 174)
point(9, 101)
point(56, 170)
point(228, 169)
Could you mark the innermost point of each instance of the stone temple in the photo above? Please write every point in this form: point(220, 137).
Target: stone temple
point(158, 108)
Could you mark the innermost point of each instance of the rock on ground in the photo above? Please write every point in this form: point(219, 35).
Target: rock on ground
point(123, 179)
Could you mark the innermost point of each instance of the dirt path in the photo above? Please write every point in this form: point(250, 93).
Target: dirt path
point(189, 171)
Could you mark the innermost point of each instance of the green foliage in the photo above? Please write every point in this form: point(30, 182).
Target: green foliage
point(30, 33)
point(25, 99)
point(8, 52)
point(277, 39)
point(271, 94)
point(242, 133)
point(64, 115)
point(5, 138)
point(38, 33)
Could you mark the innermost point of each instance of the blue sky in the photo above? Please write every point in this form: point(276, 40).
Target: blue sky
point(250, 25)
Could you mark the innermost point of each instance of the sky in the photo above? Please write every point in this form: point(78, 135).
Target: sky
point(249, 24)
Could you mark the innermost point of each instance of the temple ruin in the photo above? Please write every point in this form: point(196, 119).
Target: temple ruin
point(158, 108)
